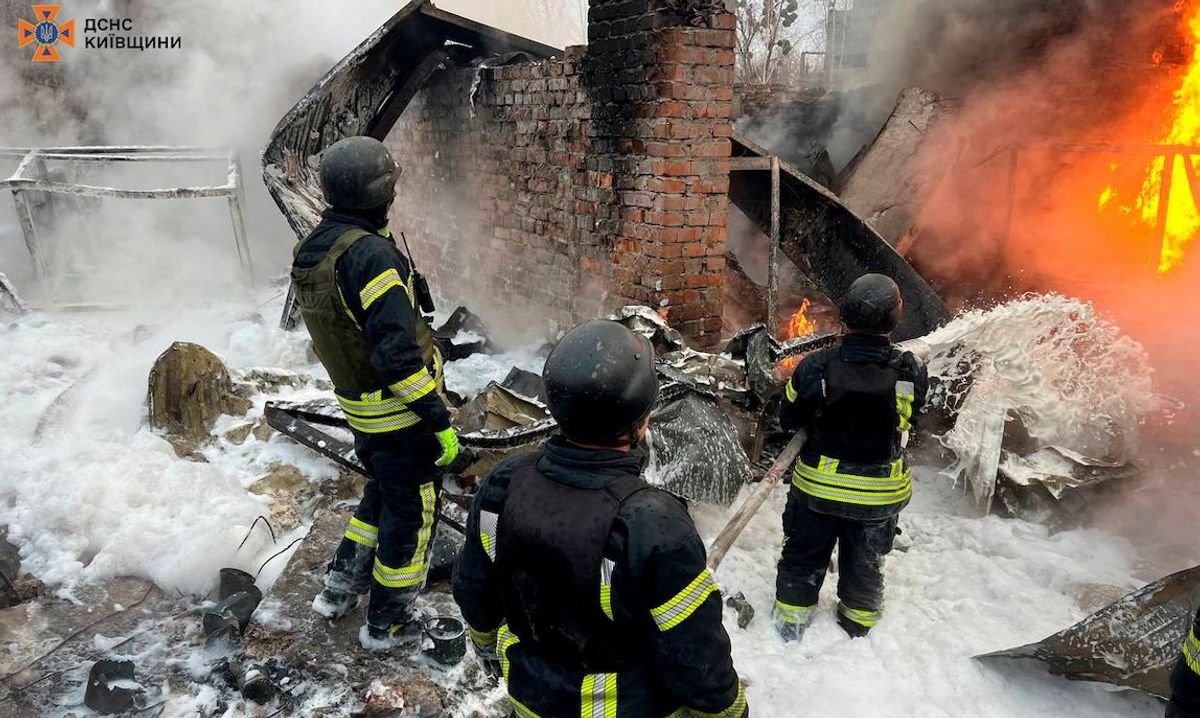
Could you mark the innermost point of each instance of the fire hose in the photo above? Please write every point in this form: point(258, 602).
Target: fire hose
point(741, 518)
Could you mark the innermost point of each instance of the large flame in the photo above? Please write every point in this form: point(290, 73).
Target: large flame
point(1179, 223)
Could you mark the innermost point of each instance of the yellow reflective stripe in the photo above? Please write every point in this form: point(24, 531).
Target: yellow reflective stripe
point(379, 286)
point(826, 481)
point(684, 604)
point(862, 618)
point(488, 521)
point(798, 615)
point(414, 387)
point(905, 395)
point(791, 392)
point(852, 481)
point(850, 497)
point(1191, 652)
point(413, 574)
point(735, 709)
point(599, 696)
point(375, 415)
point(606, 570)
point(437, 366)
point(383, 425)
point(520, 709)
point(505, 639)
point(371, 407)
point(362, 532)
point(484, 640)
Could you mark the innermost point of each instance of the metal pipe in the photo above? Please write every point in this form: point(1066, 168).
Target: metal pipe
point(773, 264)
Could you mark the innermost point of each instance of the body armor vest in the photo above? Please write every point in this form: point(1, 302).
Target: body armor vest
point(549, 555)
point(859, 422)
point(338, 340)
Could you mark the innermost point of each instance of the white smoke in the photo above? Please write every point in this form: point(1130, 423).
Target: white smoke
point(240, 68)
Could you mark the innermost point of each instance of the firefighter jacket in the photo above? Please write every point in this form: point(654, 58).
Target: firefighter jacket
point(591, 589)
point(857, 400)
point(1185, 678)
point(355, 292)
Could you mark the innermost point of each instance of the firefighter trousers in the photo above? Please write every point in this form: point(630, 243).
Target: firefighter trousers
point(809, 540)
point(386, 547)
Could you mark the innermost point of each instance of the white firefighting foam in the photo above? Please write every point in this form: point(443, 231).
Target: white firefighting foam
point(1069, 376)
point(99, 495)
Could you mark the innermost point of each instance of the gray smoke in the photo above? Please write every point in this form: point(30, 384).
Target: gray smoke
point(959, 47)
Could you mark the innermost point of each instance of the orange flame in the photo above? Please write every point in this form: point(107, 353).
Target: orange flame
point(1180, 221)
point(798, 326)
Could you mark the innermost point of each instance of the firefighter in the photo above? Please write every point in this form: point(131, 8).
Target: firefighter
point(1185, 679)
point(857, 400)
point(358, 296)
point(583, 587)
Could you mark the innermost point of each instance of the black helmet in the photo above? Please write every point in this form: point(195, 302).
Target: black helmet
point(872, 304)
point(600, 381)
point(358, 173)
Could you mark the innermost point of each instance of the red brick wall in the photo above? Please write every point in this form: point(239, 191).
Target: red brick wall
point(575, 186)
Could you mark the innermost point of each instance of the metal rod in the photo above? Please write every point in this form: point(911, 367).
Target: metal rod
point(749, 164)
point(25, 217)
point(28, 159)
point(8, 290)
point(131, 157)
point(112, 149)
point(239, 238)
point(84, 190)
point(773, 262)
point(1164, 199)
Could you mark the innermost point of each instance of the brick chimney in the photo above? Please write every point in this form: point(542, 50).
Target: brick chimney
point(660, 76)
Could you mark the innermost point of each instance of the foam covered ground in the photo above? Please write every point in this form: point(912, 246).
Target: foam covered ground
point(97, 494)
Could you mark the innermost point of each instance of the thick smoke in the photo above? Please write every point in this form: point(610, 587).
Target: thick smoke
point(1009, 207)
point(241, 67)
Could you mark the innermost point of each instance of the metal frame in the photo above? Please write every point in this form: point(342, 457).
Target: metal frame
point(768, 164)
point(25, 179)
point(1191, 167)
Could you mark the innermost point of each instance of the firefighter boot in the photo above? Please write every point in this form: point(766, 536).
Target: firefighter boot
point(857, 623)
point(791, 621)
point(348, 578)
point(333, 604)
point(392, 619)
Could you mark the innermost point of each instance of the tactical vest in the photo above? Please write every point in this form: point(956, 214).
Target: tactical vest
point(550, 542)
point(338, 340)
point(852, 463)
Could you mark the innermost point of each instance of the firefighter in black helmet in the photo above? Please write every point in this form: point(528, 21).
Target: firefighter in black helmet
point(586, 588)
point(857, 400)
point(1185, 678)
point(360, 301)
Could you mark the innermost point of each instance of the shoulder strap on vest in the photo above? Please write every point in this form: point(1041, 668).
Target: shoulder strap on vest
point(344, 241)
point(624, 487)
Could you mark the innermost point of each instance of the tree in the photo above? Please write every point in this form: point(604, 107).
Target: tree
point(765, 36)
